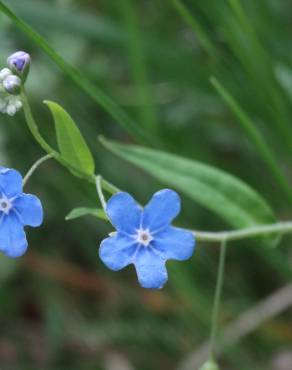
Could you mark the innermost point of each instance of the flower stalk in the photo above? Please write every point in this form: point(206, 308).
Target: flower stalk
point(35, 166)
point(284, 227)
point(217, 298)
point(106, 185)
point(99, 192)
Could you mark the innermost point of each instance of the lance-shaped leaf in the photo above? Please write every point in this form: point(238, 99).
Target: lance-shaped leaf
point(71, 143)
point(84, 211)
point(223, 194)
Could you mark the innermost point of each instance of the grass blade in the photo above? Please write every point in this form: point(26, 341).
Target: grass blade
point(94, 92)
point(196, 27)
point(137, 59)
point(255, 137)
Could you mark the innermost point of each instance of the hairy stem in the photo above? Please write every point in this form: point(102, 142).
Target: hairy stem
point(284, 227)
point(100, 193)
point(281, 227)
point(51, 151)
point(35, 166)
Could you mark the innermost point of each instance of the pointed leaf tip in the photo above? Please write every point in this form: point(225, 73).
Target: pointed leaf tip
point(72, 145)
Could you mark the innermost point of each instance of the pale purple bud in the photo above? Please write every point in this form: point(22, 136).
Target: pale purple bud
point(19, 63)
point(12, 84)
point(4, 73)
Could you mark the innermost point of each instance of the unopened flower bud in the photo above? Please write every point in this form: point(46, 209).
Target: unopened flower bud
point(14, 104)
point(19, 63)
point(12, 84)
point(209, 365)
point(5, 72)
point(10, 104)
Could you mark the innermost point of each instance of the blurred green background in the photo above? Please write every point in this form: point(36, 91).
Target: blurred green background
point(60, 307)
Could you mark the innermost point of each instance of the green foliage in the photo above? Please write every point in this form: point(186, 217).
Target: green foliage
point(71, 143)
point(230, 198)
point(256, 138)
point(138, 72)
point(210, 365)
point(93, 91)
point(85, 211)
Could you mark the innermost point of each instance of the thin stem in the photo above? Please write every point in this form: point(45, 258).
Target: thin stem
point(35, 166)
point(100, 193)
point(217, 298)
point(284, 227)
point(33, 126)
point(109, 187)
point(281, 227)
point(31, 123)
point(47, 148)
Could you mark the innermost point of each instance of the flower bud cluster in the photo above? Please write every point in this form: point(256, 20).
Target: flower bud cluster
point(11, 81)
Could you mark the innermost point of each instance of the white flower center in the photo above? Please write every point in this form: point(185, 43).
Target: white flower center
point(5, 204)
point(143, 237)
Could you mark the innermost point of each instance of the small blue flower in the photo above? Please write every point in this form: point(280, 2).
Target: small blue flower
point(17, 210)
point(145, 237)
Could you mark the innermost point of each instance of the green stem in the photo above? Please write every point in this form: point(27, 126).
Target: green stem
point(100, 193)
point(35, 166)
point(281, 227)
point(51, 151)
point(47, 148)
point(109, 187)
point(217, 298)
point(34, 128)
point(284, 227)
point(98, 95)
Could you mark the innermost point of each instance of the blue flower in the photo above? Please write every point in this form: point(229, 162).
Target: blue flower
point(145, 237)
point(17, 210)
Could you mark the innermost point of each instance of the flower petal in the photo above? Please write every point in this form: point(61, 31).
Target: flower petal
point(124, 212)
point(150, 268)
point(29, 209)
point(163, 207)
point(117, 251)
point(12, 236)
point(174, 243)
point(10, 182)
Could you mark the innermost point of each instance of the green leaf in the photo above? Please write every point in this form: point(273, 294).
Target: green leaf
point(83, 211)
point(223, 194)
point(98, 95)
point(72, 145)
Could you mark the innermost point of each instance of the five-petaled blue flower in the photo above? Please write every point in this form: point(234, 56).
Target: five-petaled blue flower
point(16, 211)
point(145, 237)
